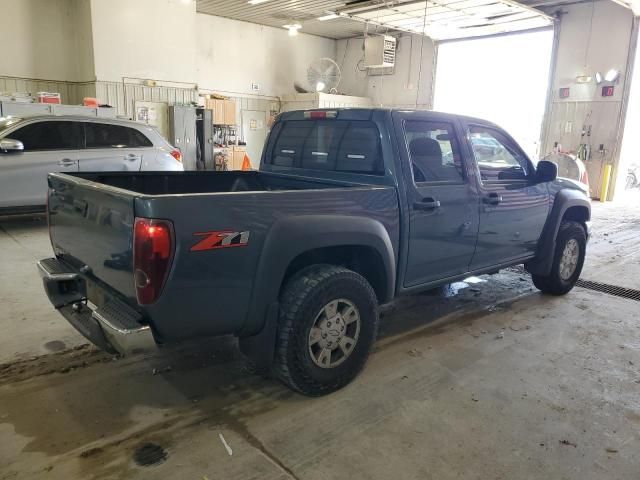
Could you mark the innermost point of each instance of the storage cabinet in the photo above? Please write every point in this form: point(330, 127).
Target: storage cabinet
point(224, 111)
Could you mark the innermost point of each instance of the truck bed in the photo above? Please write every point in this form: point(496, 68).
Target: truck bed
point(168, 183)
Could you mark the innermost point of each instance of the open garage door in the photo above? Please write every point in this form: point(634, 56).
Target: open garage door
point(503, 79)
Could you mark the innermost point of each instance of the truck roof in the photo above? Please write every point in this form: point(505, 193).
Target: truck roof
point(366, 113)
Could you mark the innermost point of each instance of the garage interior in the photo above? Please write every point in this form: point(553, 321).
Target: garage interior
point(486, 378)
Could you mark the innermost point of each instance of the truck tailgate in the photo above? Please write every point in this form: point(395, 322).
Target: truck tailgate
point(91, 228)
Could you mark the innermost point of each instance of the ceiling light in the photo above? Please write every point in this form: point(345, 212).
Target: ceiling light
point(598, 78)
point(256, 2)
point(293, 28)
point(320, 86)
point(328, 16)
point(583, 78)
point(612, 75)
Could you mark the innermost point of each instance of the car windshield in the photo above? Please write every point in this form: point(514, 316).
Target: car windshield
point(6, 122)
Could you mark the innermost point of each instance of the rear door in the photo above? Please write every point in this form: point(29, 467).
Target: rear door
point(113, 148)
point(443, 205)
point(513, 207)
point(49, 146)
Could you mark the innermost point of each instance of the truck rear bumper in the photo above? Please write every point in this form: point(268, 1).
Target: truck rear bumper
point(112, 325)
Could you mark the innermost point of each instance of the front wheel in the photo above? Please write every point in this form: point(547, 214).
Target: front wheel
point(568, 259)
point(328, 323)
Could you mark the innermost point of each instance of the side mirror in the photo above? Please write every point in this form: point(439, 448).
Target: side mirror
point(546, 171)
point(9, 145)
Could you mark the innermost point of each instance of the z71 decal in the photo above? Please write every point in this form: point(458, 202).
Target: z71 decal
point(220, 239)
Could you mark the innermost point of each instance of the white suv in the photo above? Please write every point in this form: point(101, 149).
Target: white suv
point(32, 147)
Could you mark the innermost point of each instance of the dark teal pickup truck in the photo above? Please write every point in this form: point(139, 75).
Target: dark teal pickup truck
point(350, 208)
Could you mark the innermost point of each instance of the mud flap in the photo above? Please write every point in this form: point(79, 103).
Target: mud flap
point(260, 348)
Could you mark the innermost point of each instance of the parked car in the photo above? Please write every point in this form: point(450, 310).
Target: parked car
point(30, 148)
point(570, 166)
point(349, 209)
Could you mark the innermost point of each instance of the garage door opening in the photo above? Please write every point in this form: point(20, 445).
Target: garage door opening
point(503, 79)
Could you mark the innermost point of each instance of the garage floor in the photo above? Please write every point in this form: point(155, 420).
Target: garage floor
point(492, 380)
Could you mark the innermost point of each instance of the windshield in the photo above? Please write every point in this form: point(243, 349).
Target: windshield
point(6, 122)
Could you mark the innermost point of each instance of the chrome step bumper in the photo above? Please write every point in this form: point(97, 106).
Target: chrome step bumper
point(112, 325)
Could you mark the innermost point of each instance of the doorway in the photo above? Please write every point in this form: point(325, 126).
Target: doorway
point(254, 132)
point(503, 79)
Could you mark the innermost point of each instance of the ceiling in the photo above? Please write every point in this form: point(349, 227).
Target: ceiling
point(445, 19)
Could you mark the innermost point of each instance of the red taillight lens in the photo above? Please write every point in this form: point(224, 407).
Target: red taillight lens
point(320, 114)
point(153, 246)
point(177, 154)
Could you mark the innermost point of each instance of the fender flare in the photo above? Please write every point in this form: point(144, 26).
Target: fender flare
point(292, 236)
point(563, 201)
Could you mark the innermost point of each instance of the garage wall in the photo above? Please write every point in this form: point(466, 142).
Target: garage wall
point(38, 39)
point(231, 55)
point(400, 89)
point(608, 48)
point(145, 39)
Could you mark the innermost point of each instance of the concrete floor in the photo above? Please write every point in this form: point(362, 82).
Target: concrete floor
point(494, 381)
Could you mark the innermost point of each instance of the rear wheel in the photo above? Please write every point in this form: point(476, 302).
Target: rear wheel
point(568, 259)
point(328, 323)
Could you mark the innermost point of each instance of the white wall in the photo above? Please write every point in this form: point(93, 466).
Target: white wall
point(152, 39)
point(38, 40)
point(232, 54)
point(400, 89)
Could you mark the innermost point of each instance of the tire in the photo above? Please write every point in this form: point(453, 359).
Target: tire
point(559, 281)
point(304, 304)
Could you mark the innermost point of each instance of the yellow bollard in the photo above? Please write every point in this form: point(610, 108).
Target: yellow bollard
point(606, 177)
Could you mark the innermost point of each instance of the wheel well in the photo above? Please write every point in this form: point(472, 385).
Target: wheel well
point(578, 214)
point(361, 259)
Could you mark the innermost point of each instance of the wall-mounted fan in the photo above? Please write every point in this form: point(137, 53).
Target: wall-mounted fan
point(323, 75)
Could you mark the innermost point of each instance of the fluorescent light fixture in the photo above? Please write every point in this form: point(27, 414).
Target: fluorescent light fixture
point(293, 28)
point(612, 75)
point(256, 2)
point(328, 16)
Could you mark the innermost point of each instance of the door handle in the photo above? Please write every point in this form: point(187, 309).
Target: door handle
point(67, 162)
point(427, 204)
point(492, 199)
point(132, 157)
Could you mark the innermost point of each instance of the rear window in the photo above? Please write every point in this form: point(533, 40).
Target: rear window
point(337, 145)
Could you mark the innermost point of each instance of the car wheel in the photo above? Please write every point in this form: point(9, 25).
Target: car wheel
point(568, 259)
point(327, 325)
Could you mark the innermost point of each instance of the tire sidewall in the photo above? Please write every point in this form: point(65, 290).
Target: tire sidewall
point(343, 285)
point(576, 232)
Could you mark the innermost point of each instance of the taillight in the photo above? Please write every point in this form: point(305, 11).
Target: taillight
point(153, 247)
point(177, 154)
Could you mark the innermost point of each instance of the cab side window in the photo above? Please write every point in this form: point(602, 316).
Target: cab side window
point(434, 152)
point(54, 135)
point(102, 135)
point(498, 158)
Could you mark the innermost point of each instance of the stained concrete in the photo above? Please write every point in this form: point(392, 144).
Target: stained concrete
point(494, 381)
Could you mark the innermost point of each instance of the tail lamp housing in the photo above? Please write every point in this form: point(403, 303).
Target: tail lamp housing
point(177, 154)
point(153, 250)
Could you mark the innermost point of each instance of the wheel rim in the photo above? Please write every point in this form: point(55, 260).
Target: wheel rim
point(569, 260)
point(334, 333)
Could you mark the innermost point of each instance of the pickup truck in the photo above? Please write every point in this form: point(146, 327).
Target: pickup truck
point(350, 208)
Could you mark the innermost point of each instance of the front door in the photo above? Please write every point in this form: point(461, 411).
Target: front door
point(443, 206)
point(513, 207)
point(49, 146)
point(254, 132)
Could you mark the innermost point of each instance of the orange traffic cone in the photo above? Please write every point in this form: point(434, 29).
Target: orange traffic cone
point(246, 163)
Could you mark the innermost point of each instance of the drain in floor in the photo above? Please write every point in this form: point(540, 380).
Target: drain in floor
point(614, 290)
point(149, 454)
